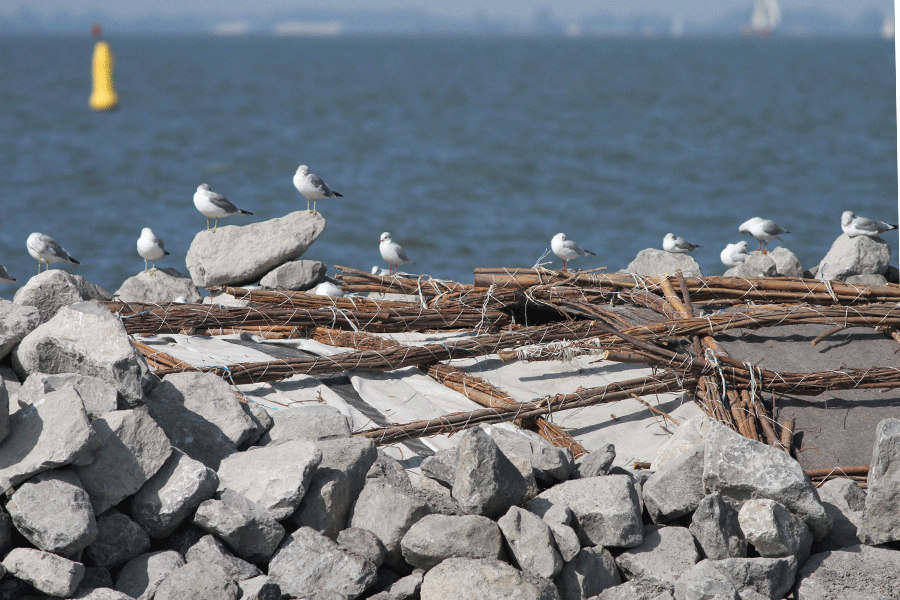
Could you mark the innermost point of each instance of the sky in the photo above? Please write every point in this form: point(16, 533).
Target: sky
point(696, 11)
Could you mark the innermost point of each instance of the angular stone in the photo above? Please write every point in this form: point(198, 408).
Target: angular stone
point(531, 542)
point(742, 469)
point(846, 503)
point(756, 264)
point(665, 554)
point(260, 416)
point(102, 593)
point(773, 530)
point(48, 573)
point(716, 528)
point(119, 539)
point(209, 549)
point(786, 262)
point(881, 520)
point(54, 288)
point(549, 463)
point(169, 497)
point(607, 510)
point(588, 574)
point(249, 530)
point(158, 286)
point(45, 435)
point(94, 578)
point(855, 572)
point(311, 423)
point(407, 588)
point(54, 512)
point(388, 470)
point(705, 582)
point(87, 339)
point(689, 435)
point(771, 577)
point(480, 579)
point(309, 563)
point(98, 396)
point(362, 542)
point(440, 466)
point(16, 322)
point(262, 587)
point(298, 275)
point(198, 581)
point(485, 481)
point(239, 255)
point(596, 463)
point(132, 448)
point(659, 263)
point(141, 575)
point(566, 541)
point(275, 477)
point(434, 538)
point(388, 512)
point(676, 489)
point(213, 399)
point(860, 255)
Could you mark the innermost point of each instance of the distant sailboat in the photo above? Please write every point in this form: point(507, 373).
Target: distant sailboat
point(887, 29)
point(765, 18)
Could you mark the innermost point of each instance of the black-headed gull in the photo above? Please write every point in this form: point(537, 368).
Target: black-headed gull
point(5, 277)
point(214, 206)
point(854, 226)
point(150, 247)
point(734, 254)
point(312, 187)
point(566, 249)
point(763, 230)
point(392, 253)
point(44, 249)
point(677, 245)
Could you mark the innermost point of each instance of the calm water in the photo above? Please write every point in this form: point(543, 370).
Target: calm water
point(471, 152)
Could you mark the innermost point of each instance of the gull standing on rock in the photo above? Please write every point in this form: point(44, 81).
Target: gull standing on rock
point(150, 247)
point(566, 249)
point(734, 254)
point(5, 277)
point(763, 230)
point(44, 249)
point(854, 226)
point(392, 253)
point(213, 205)
point(312, 187)
point(677, 245)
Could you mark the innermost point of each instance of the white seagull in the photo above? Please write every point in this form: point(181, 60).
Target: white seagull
point(5, 277)
point(763, 230)
point(392, 253)
point(44, 249)
point(677, 245)
point(854, 226)
point(734, 254)
point(326, 288)
point(213, 205)
point(566, 249)
point(312, 187)
point(150, 247)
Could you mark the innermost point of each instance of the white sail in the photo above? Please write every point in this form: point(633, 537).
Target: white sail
point(766, 16)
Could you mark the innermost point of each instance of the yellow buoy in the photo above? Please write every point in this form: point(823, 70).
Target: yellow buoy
point(103, 96)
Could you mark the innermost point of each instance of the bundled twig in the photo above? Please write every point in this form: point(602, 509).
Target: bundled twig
point(353, 280)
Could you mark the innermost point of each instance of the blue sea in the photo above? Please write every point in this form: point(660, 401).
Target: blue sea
point(472, 152)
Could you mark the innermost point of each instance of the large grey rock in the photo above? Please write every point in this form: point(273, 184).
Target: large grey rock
point(309, 563)
point(275, 477)
point(855, 572)
point(531, 542)
point(198, 581)
point(676, 489)
point(94, 578)
point(312, 422)
point(141, 575)
point(158, 286)
point(239, 255)
point(45, 435)
point(440, 466)
point(485, 481)
point(659, 263)
point(132, 448)
point(388, 512)
point(119, 539)
point(249, 529)
point(549, 463)
point(771, 577)
point(773, 530)
point(170, 496)
point(716, 528)
point(705, 582)
point(434, 538)
point(362, 542)
point(664, 555)
point(588, 574)
point(481, 579)
point(48, 573)
point(262, 587)
point(407, 588)
point(756, 264)
point(98, 396)
point(846, 503)
point(742, 469)
point(787, 263)
point(299, 275)
point(336, 482)
point(596, 463)
point(16, 322)
point(636, 590)
point(881, 520)
point(689, 435)
point(102, 593)
point(389, 470)
point(86, 338)
point(566, 540)
point(211, 550)
point(54, 512)
point(54, 288)
point(607, 510)
point(860, 255)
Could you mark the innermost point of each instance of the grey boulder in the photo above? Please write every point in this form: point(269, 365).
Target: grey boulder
point(787, 263)
point(756, 264)
point(596, 463)
point(663, 556)
point(846, 503)
point(716, 528)
point(158, 286)
point(98, 396)
point(211, 550)
point(591, 572)
point(676, 489)
point(434, 538)
point(198, 581)
point(119, 539)
point(773, 530)
point(388, 512)
point(247, 528)
point(881, 520)
point(855, 572)
point(141, 575)
point(362, 542)
point(261, 587)
point(54, 288)
point(531, 542)
point(549, 463)
point(47, 572)
point(16, 321)
point(860, 255)
point(298, 275)
point(659, 263)
point(311, 423)
point(770, 577)
point(481, 579)
point(485, 481)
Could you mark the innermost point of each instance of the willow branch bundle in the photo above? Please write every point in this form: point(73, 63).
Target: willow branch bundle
point(354, 280)
point(159, 359)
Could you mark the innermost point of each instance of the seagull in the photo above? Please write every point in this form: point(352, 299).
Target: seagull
point(393, 253)
point(566, 249)
point(854, 226)
point(44, 249)
point(677, 245)
point(326, 288)
point(150, 247)
point(734, 254)
point(5, 277)
point(213, 205)
point(763, 230)
point(312, 187)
